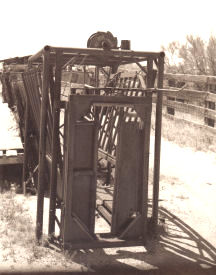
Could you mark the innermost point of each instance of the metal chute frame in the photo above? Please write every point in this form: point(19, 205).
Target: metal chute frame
point(56, 58)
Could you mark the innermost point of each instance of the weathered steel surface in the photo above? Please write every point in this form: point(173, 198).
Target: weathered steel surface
point(80, 169)
point(55, 148)
point(42, 147)
point(92, 122)
point(158, 124)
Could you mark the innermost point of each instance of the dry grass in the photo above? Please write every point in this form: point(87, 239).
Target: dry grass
point(186, 135)
point(18, 249)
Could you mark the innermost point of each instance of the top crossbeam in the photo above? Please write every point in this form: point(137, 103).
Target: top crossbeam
point(95, 56)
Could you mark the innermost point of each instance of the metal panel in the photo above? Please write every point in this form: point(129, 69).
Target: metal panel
point(80, 163)
point(79, 177)
point(128, 179)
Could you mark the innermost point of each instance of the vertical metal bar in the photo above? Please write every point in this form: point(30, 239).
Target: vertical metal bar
point(146, 151)
point(147, 129)
point(55, 144)
point(157, 149)
point(103, 121)
point(93, 186)
point(42, 146)
point(26, 146)
point(69, 169)
point(149, 73)
point(84, 75)
point(96, 76)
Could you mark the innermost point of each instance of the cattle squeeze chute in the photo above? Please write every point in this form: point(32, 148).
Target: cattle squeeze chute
point(76, 109)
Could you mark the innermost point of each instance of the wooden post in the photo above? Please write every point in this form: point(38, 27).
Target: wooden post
point(55, 144)
point(26, 146)
point(157, 149)
point(42, 145)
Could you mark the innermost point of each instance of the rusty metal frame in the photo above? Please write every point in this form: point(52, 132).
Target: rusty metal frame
point(59, 57)
point(78, 106)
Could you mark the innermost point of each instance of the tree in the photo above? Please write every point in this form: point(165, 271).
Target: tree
point(193, 57)
point(211, 55)
point(171, 58)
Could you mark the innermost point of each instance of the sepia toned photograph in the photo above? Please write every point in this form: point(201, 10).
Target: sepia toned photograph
point(108, 137)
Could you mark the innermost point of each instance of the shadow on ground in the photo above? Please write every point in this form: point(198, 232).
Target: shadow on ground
point(179, 249)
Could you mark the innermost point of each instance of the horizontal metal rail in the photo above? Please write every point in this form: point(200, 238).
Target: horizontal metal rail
point(96, 52)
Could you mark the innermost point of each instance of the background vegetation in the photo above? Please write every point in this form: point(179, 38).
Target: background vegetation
point(194, 57)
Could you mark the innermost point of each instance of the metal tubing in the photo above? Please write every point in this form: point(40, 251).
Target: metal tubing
point(146, 148)
point(39, 54)
point(96, 51)
point(157, 149)
point(116, 52)
point(149, 73)
point(26, 146)
point(42, 146)
point(55, 145)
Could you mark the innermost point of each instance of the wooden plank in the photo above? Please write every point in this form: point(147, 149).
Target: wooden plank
point(192, 123)
point(189, 108)
point(188, 94)
point(210, 97)
point(19, 150)
point(11, 160)
point(191, 78)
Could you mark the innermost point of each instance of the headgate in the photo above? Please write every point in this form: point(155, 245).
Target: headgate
point(129, 221)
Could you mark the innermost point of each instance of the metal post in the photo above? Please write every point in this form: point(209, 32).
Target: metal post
point(150, 73)
point(55, 145)
point(84, 75)
point(146, 145)
point(26, 146)
point(42, 145)
point(96, 76)
point(157, 149)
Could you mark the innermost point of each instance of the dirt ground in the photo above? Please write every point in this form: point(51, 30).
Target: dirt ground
point(187, 243)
